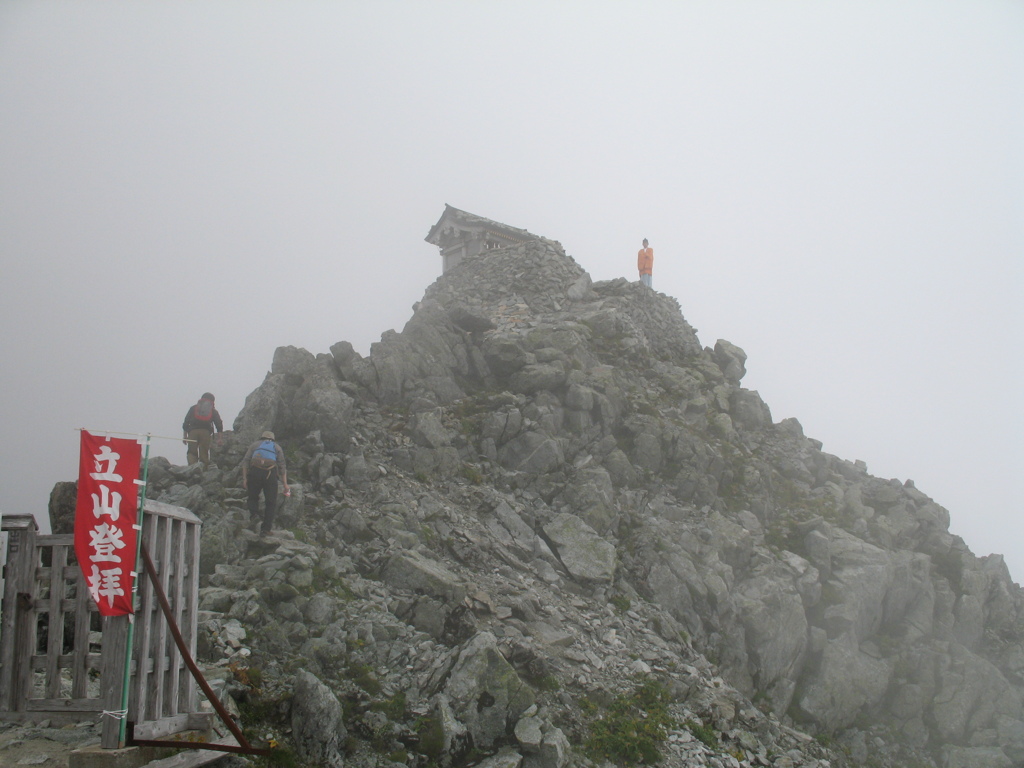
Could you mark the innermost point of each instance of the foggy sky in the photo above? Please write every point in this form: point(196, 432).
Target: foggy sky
point(836, 188)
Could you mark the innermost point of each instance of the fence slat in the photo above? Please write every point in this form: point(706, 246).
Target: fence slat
point(161, 649)
point(20, 569)
point(55, 620)
point(190, 621)
point(176, 595)
point(63, 705)
point(81, 657)
point(143, 621)
point(27, 619)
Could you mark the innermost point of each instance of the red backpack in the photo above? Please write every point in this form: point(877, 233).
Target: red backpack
point(203, 410)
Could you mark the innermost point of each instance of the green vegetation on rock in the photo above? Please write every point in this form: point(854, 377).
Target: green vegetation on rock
point(633, 728)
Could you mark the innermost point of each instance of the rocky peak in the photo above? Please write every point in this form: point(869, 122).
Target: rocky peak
point(544, 505)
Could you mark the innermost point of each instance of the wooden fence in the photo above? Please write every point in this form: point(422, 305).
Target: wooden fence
point(61, 661)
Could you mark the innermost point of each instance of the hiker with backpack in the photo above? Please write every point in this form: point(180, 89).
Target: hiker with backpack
point(198, 427)
point(262, 465)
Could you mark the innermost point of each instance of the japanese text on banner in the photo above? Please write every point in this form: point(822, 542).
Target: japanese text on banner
point(105, 517)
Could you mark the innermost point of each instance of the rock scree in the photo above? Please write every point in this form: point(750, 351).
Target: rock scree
point(543, 525)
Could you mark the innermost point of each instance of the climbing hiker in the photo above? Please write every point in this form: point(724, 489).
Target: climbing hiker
point(262, 465)
point(200, 422)
point(645, 263)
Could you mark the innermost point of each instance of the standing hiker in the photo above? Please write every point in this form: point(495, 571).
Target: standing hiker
point(645, 264)
point(262, 465)
point(198, 427)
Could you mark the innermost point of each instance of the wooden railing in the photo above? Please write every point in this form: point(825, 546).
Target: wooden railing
point(61, 661)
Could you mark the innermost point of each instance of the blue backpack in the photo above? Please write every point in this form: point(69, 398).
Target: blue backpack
point(265, 456)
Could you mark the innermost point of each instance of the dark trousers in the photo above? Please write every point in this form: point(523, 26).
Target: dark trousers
point(263, 481)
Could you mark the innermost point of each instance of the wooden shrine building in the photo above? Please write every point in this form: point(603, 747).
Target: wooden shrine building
point(460, 234)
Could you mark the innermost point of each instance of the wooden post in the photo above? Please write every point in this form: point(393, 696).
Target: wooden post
point(17, 633)
point(115, 645)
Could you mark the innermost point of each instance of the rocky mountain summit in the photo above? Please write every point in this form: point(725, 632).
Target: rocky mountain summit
point(543, 525)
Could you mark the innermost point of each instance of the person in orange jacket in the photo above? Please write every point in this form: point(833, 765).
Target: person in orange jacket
point(645, 264)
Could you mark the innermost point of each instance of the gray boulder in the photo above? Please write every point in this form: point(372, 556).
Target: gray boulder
point(848, 681)
point(590, 495)
point(427, 430)
point(533, 453)
point(749, 411)
point(63, 499)
point(775, 627)
point(975, 757)
point(455, 738)
point(413, 571)
point(541, 376)
point(319, 404)
point(529, 734)
point(587, 556)
point(731, 359)
point(554, 750)
point(359, 473)
point(505, 356)
point(486, 693)
point(299, 395)
point(505, 758)
point(582, 289)
point(470, 320)
point(317, 727)
point(972, 694)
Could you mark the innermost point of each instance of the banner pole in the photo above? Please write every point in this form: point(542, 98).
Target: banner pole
point(122, 733)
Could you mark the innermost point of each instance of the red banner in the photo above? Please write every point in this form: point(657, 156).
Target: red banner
point(106, 514)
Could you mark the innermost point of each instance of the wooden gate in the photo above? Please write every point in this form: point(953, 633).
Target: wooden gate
point(61, 661)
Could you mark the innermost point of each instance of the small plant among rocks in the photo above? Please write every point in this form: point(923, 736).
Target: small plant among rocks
point(393, 707)
point(633, 728)
point(621, 603)
point(546, 683)
point(362, 675)
point(703, 733)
